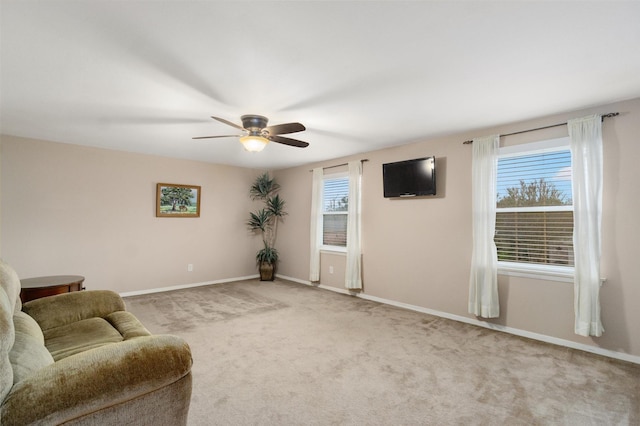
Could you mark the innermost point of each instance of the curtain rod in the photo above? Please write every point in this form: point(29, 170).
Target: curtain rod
point(340, 165)
point(608, 115)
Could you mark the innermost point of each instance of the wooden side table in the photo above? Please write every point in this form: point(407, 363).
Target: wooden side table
point(35, 288)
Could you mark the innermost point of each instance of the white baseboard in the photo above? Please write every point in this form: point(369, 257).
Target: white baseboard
point(515, 331)
point(518, 332)
point(183, 286)
point(296, 280)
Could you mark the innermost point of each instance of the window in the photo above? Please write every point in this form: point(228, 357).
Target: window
point(335, 204)
point(534, 207)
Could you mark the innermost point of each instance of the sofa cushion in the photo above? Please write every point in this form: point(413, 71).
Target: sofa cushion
point(23, 323)
point(28, 353)
point(104, 386)
point(10, 282)
point(7, 337)
point(9, 303)
point(66, 308)
point(79, 336)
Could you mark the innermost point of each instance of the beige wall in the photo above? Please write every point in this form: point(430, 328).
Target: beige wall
point(417, 251)
point(75, 210)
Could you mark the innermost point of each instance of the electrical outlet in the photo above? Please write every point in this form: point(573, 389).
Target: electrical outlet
point(190, 267)
point(331, 269)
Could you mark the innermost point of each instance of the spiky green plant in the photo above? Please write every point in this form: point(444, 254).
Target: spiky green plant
point(263, 187)
point(267, 255)
point(266, 219)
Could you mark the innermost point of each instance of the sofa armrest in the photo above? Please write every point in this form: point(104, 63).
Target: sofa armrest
point(61, 309)
point(98, 379)
point(127, 325)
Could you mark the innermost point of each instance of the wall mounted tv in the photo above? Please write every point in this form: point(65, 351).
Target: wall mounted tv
point(410, 178)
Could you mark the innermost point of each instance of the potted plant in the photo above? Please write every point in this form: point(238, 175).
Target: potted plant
point(266, 220)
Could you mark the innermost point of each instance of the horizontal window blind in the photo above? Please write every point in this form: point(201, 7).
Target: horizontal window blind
point(535, 237)
point(334, 230)
point(534, 215)
point(336, 195)
point(335, 205)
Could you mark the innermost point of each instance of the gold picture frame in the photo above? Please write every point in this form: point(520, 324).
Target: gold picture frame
point(173, 200)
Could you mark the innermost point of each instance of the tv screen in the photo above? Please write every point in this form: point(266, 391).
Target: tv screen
point(410, 178)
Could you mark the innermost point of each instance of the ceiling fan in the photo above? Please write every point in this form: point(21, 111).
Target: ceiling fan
point(256, 134)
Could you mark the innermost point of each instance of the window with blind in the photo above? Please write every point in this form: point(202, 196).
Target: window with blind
point(534, 206)
point(335, 205)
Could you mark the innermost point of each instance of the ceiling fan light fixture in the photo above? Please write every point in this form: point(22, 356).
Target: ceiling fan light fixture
point(254, 143)
point(256, 134)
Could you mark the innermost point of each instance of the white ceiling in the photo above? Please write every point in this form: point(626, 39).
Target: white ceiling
point(145, 76)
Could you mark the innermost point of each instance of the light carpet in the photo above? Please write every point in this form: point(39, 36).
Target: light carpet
point(281, 353)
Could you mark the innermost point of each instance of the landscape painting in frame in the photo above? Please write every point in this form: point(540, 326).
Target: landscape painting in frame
point(177, 200)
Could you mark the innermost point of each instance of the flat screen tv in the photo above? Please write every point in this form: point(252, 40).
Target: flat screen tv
point(410, 178)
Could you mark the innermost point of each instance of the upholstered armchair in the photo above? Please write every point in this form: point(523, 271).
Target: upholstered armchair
point(80, 358)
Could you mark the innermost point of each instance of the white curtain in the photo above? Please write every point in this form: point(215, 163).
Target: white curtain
point(315, 229)
point(586, 155)
point(353, 274)
point(483, 285)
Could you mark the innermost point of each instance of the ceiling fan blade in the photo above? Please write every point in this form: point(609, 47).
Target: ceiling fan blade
point(288, 141)
point(221, 136)
point(280, 129)
point(227, 122)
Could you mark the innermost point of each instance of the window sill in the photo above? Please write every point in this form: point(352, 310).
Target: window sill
point(333, 249)
point(539, 272)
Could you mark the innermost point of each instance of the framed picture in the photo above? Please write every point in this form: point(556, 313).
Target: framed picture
point(177, 200)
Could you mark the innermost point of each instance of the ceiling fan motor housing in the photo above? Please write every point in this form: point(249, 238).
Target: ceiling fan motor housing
point(254, 123)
